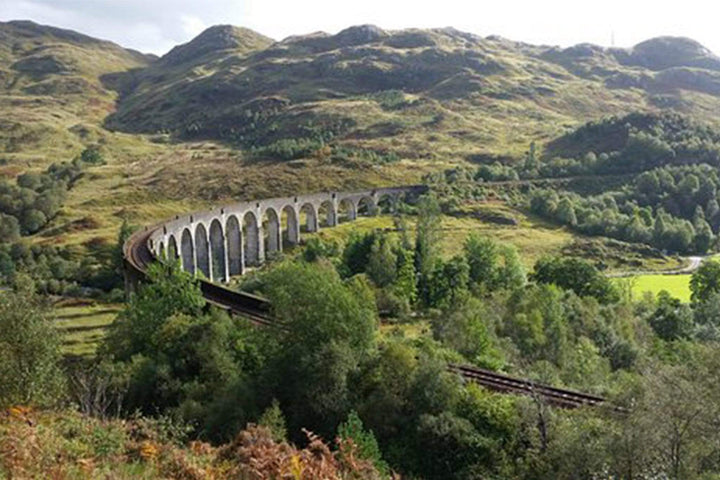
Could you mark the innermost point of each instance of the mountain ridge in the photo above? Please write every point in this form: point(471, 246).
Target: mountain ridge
point(214, 39)
point(272, 92)
point(421, 93)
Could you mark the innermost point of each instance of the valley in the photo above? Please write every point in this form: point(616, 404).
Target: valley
point(432, 234)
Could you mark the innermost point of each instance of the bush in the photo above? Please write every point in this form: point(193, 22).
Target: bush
point(30, 350)
point(92, 156)
point(577, 275)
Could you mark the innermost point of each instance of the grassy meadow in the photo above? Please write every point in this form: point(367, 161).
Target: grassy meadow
point(676, 285)
point(82, 324)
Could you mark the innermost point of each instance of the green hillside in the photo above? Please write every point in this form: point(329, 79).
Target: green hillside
point(416, 93)
point(52, 93)
point(233, 114)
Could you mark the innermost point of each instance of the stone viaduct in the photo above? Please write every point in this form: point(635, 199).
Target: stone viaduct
point(223, 242)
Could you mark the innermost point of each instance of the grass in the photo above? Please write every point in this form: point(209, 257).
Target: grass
point(676, 285)
point(532, 239)
point(532, 236)
point(82, 324)
point(412, 331)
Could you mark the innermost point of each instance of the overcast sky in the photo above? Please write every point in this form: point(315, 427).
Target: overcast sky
point(157, 25)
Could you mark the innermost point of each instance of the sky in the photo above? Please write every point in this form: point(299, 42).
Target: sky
point(155, 26)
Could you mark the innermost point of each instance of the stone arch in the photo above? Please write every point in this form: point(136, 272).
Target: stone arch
point(387, 204)
point(308, 218)
point(346, 211)
point(234, 246)
point(326, 214)
point(187, 250)
point(172, 249)
point(161, 252)
point(366, 207)
point(291, 228)
point(217, 251)
point(202, 250)
point(271, 229)
point(251, 239)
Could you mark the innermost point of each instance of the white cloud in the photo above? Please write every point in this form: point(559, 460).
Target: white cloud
point(157, 25)
point(192, 25)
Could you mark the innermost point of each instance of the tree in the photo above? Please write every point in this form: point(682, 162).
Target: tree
point(705, 281)
point(577, 275)
point(385, 388)
point(636, 231)
point(273, 419)
point(536, 323)
point(33, 220)
point(482, 256)
point(382, 262)
point(671, 421)
point(175, 359)
point(707, 191)
point(459, 450)
point(645, 151)
point(667, 181)
point(9, 228)
point(531, 162)
point(689, 185)
point(329, 329)
point(463, 328)
point(671, 320)
point(679, 237)
point(707, 318)
point(315, 249)
point(659, 229)
point(50, 201)
point(703, 237)
point(566, 212)
point(366, 446)
point(406, 283)
point(124, 233)
point(712, 214)
point(32, 181)
point(647, 183)
point(511, 274)
point(426, 244)
point(30, 371)
point(449, 282)
point(169, 291)
point(357, 253)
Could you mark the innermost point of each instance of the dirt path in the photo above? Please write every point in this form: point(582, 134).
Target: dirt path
point(694, 263)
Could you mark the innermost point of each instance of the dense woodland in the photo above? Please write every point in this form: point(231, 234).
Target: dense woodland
point(28, 207)
point(654, 182)
point(327, 368)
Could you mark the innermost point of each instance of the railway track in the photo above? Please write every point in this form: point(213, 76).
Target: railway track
point(505, 384)
point(137, 257)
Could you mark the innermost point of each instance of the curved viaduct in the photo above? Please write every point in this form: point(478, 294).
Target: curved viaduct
point(222, 242)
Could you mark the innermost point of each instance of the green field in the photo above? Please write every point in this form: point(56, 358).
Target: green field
point(676, 285)
point(82, 324)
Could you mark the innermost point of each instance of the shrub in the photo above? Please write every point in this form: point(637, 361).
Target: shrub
point(30, 350)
